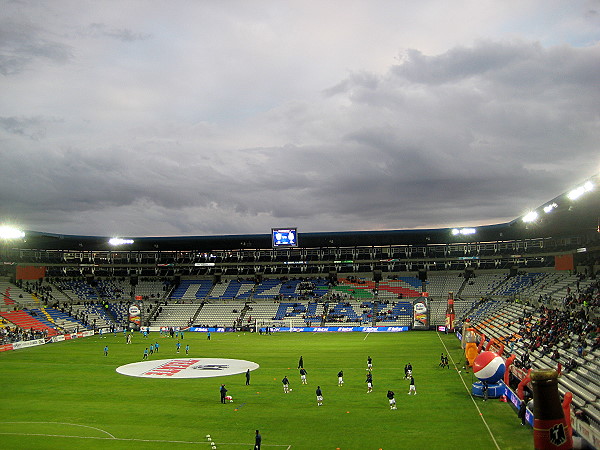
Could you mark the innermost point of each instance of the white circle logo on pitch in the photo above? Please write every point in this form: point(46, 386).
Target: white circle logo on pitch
point(187, 368)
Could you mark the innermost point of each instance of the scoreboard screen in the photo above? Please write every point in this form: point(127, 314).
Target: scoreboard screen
point(284, 237)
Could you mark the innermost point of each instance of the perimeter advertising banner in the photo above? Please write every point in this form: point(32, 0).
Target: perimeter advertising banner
point(21, 344)
point(389, 329)
point(420, 315)
point(135, 319)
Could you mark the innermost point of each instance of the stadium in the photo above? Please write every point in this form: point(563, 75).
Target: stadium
point(79, 314)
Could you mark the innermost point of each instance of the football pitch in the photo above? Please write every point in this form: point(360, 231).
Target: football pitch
point(68, 395)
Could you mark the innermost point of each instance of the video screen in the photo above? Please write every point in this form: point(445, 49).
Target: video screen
point(284, 237)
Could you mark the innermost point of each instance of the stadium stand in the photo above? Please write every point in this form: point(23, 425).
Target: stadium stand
point(57, 319)
point(15, 296)
point(93, 315)
point(27, 321)
point(180, 315)
point(222, 314)
point(543, 337)
point(192, 290)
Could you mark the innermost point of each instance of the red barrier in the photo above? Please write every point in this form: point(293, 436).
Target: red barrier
point(508, 363)
point(524, 382)
point(494, 342)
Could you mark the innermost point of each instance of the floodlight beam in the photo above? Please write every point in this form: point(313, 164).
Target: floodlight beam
point(8, 232)
point(120, 241)
point(530, 217)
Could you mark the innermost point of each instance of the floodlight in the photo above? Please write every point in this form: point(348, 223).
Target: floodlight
point(463, 231)
point(119, 241)
point(530, 217)
point(576, 193)
point(550, 207)
point(8, 232)
point(579, 191)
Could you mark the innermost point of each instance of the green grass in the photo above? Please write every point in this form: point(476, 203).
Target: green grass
point(68, 395)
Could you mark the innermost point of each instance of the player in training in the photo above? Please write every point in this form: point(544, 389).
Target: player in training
point(319, 396)
point(369, 382)
point(341, 378)
point(412, 388)
point(390, 396)
point(303, 375)
point(286, 385)
point(369, 363)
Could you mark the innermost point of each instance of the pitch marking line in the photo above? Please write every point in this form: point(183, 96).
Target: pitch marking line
point(114, 438)
point(469, 392)
point(366, 336)
point(141, 440)
point(62, 423)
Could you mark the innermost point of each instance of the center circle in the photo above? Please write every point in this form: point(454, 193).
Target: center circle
point(187, 368)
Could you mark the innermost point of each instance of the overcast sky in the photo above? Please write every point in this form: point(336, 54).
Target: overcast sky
point(157, 118)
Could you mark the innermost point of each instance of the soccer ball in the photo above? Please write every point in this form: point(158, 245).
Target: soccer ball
point(291, 390)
